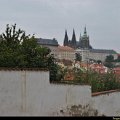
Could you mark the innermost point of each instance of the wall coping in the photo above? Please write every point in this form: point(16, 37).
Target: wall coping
point(67, 83)
point(22, 69)
point(104, 92)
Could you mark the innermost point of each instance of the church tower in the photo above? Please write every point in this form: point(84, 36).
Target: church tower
point(85, 40)
point(73, 42)
point(79, 43)
point(66, 42)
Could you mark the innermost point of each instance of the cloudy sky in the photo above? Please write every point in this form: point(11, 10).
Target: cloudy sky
point(50, 18)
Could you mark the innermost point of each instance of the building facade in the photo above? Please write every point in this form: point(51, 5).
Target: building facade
point(52, 44)
point(59, 52)
point(95, 54)
point(65, 52)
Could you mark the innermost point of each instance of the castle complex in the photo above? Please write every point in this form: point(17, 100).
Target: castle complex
point(71, 47)
point(84, 48)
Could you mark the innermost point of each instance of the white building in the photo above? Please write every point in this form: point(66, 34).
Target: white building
point(65, 52)
point(96, 54)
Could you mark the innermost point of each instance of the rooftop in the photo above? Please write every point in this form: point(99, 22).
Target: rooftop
point(65, 48)
point(52, 42)
point(103, 51)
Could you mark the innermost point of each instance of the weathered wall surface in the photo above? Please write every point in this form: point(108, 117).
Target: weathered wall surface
point(108, 104)
point(19, 90)
point(30, 93)
point(62, 96)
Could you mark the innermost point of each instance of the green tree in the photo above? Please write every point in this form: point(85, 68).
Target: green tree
point(18, 50)
point(109, 58)
point(118, 59)
point(99, 61)
point(78, 57)
point(108, 61)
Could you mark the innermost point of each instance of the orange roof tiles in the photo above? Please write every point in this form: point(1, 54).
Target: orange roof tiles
point(65, 48)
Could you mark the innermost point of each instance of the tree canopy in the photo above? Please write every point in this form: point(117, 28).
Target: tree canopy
point(18, 50)
point(109, 58)
point(78, 57)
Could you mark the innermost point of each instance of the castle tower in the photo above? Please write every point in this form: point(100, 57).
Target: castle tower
point(66, 42)
point(73, 42)
point(85, 31)
point(85, 40)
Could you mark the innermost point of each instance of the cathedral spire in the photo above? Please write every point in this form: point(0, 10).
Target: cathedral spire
point(65, 39)
point(73, 39)
point(85, 31)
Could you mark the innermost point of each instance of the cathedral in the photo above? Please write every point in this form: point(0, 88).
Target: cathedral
point(84, 48)
point(83, 42)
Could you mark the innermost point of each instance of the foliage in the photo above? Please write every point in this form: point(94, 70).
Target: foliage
point(19, 50)
point(109, 64)
point(118, 59)
point(99, 61)
point(99, 82)
point(78, 57)
point(108, 61)
point(109, 58)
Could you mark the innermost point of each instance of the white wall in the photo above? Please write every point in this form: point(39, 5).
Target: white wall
point(87, 54)
point(30, 93)
point(100, 56)
point(108, 104)
point(67, 95)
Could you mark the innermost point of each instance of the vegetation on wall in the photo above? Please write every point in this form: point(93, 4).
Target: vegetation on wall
point(99, 82)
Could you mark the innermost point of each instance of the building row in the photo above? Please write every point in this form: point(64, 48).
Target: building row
point(72, 47)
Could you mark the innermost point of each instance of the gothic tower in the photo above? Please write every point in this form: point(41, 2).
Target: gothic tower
point(79, 44)
point(85, 40)
point(66, 42)
point(73, 42)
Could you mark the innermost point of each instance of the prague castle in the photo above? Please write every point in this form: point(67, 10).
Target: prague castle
point(83, 47)
point(72, 47)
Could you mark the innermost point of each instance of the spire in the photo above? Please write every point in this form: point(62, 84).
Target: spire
point(73, 31)
point(74, 39)
point(80, 37)
point(65, 39)
point(85, 31)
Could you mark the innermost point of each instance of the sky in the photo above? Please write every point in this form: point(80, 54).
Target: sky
point(50, 18)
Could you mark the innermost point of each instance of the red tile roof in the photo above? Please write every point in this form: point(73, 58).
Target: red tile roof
point(65, 48)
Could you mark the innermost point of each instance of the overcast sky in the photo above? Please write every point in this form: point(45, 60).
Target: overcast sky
point(50, 18)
